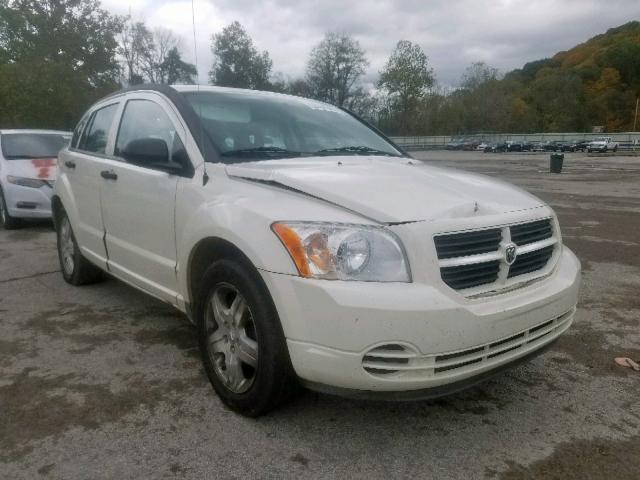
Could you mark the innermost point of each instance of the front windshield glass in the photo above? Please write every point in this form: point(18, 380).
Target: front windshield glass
point(17, 146)
point(248, 126)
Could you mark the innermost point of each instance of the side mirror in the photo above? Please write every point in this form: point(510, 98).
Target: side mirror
point(152, 153)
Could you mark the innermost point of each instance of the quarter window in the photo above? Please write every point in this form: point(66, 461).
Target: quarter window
point(75, 140)
point(95, 136)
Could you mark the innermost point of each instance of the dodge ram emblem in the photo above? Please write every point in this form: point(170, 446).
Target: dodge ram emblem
point(510, 254)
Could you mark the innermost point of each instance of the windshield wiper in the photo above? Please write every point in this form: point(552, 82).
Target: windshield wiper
point(356, 150)
point(277, 151)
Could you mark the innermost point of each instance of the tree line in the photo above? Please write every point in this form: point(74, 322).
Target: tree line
point(58, 56)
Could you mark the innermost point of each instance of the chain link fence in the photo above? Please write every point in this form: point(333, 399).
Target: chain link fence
point(628, 141)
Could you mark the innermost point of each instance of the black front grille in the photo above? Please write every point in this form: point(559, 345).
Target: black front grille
point(530, 262)
point(468, 243)
point(467, 276)
point(531, 232)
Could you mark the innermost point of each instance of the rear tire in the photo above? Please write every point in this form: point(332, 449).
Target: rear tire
point(76, 269)
point(7, 221)
point(243, 347)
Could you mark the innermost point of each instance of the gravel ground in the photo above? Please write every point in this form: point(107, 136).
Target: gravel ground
point(105, 382)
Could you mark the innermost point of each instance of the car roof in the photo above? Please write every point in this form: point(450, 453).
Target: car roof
point(168, 89)
point(33, 130)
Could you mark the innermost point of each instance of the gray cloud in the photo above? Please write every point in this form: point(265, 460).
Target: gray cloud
point(453, 33)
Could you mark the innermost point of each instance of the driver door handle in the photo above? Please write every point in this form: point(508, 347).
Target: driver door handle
point(70, 164)
point(109, 174)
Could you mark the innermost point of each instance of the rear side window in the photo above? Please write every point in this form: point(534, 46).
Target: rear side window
point(16, 146)
point(94, 139)
point(75, 140)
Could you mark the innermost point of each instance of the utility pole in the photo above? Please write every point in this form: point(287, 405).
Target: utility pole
point(635, 119)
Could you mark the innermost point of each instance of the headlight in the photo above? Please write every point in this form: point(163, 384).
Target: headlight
point(26, 182)
point(343, 251)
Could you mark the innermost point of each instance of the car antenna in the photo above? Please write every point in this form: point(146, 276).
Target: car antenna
point(205, 175)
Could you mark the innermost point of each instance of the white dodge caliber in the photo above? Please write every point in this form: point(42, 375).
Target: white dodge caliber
point(308, 248)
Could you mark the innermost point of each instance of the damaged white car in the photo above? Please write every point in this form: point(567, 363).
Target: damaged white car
point(307, 247)
point(28, 167)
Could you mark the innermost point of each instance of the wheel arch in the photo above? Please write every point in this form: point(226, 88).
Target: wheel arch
point(203, 254)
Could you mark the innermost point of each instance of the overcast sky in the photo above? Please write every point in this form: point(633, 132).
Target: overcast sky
point(453, 33)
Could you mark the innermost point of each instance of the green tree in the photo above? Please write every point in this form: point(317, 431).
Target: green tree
point(58, 57)
point(335, 65)
point(478, 74)
point(176, 70)
point(558, 99)
point(237, 62)
point(406, 78)
point(135, 47)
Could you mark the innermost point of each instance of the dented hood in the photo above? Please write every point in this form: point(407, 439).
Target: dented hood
point(390, 190)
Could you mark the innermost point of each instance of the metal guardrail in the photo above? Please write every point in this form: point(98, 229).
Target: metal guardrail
point(626, 140)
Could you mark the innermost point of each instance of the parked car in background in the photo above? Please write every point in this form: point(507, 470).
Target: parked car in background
point(482, 147)
point(536, 146)
point(455, 144)
point(573, 146)
point(514, 146)
point(470, 144)
point(602, 144)
point(28, 167)
point(327, 257)
point(496, 147)
point(552, 146)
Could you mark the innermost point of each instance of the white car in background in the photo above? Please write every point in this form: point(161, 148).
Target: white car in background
point(28, 168)
point(307, 247)
point(602, 145)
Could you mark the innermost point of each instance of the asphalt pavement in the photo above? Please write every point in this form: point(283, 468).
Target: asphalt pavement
point(104, 382)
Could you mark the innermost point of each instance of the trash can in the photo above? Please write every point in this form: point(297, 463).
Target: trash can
point(555, 163)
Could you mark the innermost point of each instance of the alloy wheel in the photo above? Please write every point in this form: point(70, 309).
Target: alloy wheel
point(231, 338)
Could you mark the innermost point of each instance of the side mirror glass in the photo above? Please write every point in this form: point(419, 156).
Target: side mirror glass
point(151, 152)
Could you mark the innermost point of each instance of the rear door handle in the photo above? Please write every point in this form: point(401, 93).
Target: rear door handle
point(109, 174)
point(70, 164)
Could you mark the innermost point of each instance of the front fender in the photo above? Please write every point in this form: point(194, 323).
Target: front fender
point(242, 212)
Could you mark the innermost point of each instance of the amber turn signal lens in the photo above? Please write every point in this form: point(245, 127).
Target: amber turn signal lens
point(293, 244)
point(317, 249)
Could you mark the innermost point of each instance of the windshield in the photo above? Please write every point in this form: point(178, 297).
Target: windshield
point(249, 126)
point(16, 146)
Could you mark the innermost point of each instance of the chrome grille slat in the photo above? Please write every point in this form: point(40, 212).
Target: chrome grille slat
point(474, 261)
point(466, 276)
point(530, 262)
point(468, 243)
point(531, 232)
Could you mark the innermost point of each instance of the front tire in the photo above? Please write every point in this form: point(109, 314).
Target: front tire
point(76, 269)
point(6, 221)
point(243, 348)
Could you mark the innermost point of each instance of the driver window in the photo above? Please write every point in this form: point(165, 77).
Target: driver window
point(144, 120)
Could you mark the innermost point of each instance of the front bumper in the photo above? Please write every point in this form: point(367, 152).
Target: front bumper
point(27, 202)
point(330, 326)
